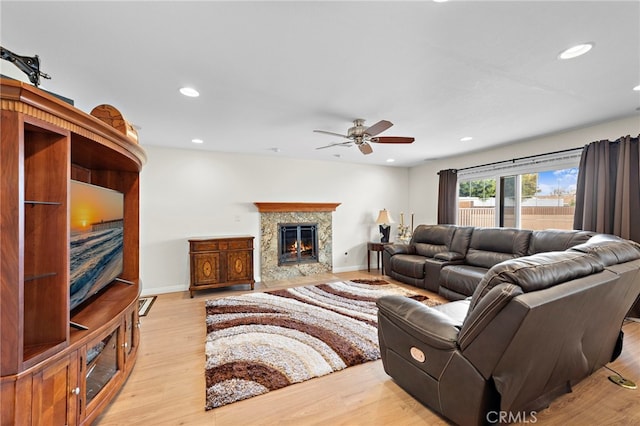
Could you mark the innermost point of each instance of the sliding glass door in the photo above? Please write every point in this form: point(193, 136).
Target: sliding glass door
point(531, 200)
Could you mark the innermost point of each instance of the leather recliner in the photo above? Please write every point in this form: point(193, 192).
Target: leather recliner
point(431, 248)
point(534, 327)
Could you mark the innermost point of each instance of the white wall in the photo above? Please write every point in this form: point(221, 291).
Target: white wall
point(191, 193)
point(423, 180)
point(188, 193)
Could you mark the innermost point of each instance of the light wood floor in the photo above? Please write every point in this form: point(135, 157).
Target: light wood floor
point(167, 384)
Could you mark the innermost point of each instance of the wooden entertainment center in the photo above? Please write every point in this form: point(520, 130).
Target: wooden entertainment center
point(51, 373)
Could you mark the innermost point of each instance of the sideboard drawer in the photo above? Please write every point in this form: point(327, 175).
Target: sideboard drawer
point(240, 244)
point(204, 245)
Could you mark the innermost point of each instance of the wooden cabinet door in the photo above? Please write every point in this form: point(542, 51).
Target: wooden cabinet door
point(131, 335)
point(55, 393)
point(206, 267)
point(239, 266)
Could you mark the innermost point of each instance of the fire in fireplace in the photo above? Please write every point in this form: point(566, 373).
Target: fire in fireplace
point(297, 243)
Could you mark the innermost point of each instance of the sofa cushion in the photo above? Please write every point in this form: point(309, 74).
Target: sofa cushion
point(410, 265)
point(432, 239)
point(462, 279)
point(490, 246)
point(485, 311)
point(461, 239)
point(456, 310)
point(609, 249)
point(556, 240)
point(430, 250)
point(537, 272)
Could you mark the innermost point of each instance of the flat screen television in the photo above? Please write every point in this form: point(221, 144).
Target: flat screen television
point(96, 252)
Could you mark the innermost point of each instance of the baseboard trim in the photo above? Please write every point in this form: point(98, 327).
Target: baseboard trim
point(152, 291)
point(350, 268)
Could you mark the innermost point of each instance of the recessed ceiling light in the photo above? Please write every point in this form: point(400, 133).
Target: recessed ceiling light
point(440, 1)
point(466, 139)
point(575, 51)
point(390, 160)
point(197, 140)
point(637, 88)
point(190, 92)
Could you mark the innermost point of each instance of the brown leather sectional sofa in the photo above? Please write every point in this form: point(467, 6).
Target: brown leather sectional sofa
point(535, 325)
point(451, 260)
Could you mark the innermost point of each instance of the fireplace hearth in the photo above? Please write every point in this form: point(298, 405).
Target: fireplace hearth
point(297, 243)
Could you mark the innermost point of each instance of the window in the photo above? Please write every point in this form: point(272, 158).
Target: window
point(537, 194)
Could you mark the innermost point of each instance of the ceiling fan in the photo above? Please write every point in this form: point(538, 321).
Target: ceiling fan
point(362, 135)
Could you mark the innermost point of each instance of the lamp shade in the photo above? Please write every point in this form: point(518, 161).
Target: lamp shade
point(384, 217)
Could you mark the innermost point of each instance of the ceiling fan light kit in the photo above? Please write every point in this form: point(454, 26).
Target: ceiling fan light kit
point(361, 136)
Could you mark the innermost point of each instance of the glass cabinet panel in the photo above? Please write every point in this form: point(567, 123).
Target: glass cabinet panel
point(102, 364)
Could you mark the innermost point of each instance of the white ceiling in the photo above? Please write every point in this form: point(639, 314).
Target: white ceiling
point(269, 73)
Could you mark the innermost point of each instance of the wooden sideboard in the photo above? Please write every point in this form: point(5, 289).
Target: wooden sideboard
point(221, 262)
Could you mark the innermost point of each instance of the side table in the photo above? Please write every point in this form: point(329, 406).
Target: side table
point(378, 248)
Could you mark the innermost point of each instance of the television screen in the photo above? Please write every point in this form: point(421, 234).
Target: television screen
point(96, 239)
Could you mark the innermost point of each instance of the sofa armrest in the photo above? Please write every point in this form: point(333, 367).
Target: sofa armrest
point(431, 327)
point(396, 248)
point(449, 256)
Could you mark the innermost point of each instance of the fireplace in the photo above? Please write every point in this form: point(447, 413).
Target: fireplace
point(297, 243)
point(272, 215)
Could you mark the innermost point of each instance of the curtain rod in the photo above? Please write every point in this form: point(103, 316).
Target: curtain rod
point(521, 158)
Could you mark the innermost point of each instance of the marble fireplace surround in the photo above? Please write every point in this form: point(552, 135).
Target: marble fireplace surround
point(271, 214)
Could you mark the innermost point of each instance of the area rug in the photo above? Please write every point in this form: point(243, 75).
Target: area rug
point(144, 305)
point(259, 342)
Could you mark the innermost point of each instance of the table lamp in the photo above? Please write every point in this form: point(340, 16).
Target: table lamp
point(384, 220)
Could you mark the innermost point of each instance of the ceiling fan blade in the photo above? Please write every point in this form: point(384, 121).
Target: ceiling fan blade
point(365, 148)
point(379, 127)
point(345, 144)
point(331, 133)
point(392, 139)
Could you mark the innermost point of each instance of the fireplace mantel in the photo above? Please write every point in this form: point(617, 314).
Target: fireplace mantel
point(295, 207)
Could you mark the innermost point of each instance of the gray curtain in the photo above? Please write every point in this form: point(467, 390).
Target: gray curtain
point(447, 196)
point(608, 192)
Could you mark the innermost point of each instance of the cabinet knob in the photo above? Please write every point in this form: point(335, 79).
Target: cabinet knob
point(125, 345)
point(75, 391)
